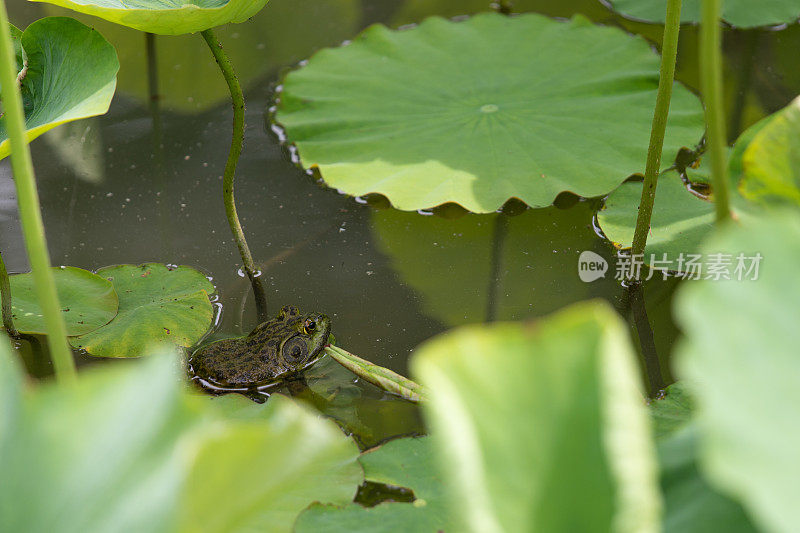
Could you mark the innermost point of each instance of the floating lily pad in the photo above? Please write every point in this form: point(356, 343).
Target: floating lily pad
point(87, 301)
point(72, 73)
point(741, 13)
point(167, 17)
point(480, 111)
point(157, 305)
point(680, 223)
point(740, 362)
point(532, 418)
point(408, 463)
point(771, 162)
point(124, 449)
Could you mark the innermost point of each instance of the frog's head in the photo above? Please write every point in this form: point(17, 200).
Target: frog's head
point(308, 339)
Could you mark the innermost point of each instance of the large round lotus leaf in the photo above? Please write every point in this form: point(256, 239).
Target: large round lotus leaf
point(533, 418)
point(87, 301)
point(679, 224)
point(741, 362)
point(274, 37)
point(771, 162)
point(741, 13)
point(477, 112)
point(166, 17)
point(157, 305)
point(72, 73)
point(408, 463)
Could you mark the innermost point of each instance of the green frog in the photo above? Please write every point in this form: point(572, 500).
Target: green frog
point(272, 352)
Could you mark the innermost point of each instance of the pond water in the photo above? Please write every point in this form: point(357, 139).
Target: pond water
point(143, 183)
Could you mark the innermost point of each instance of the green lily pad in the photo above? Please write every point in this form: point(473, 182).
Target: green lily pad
point(772, 160)
point(72, 73)
point(157, 305)
point(166, 17)
point(740, 362)
point(532, 418)
point(408, 463)
point(741, 13)
point(125, 449)
point(679, 224)
point(87, 301)
point(480, 111)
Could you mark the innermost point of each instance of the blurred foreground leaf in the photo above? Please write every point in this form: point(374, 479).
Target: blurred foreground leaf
point(126, 449)
point(542, 426)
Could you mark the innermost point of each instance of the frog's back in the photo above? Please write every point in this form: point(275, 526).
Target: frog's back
point(234, 363)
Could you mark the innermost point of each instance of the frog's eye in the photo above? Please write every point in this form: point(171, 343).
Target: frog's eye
point(309, 326)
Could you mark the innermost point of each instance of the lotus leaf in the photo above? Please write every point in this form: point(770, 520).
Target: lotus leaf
point(166, 17)
point(480, 111)
point(71, 74)
point(157, 304)
point(585, 436)
point(88, 301)
point(741, 13)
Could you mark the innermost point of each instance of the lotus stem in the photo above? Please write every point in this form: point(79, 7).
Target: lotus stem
point(29, 207)
point(237, 99)
point(5, 295)
point(377, 375)
point(711, 85)
point(669, 54)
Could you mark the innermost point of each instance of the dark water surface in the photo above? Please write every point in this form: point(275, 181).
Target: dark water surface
point(135, 186)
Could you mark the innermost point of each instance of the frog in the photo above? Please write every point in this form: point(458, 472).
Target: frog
point(273, 352)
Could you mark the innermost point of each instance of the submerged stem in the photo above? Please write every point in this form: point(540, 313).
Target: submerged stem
point(5, 296)
point(237, 98)
point(711, 85)
point(669, 54)
point(29, 207)
point(646, 340)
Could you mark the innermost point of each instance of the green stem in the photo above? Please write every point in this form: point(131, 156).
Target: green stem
point(377, 375)
point(30, 214)
point(711, 86)
point(230, 169)
point(669, 54)
point(5, 296)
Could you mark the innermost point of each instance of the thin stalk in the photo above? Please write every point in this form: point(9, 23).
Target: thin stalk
point(230, 170)
point(30, 214)
point(711, 86)
point(5, 295)
point(647, 342)
point(669, 54)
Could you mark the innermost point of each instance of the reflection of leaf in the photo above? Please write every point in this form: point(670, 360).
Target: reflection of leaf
point(274, 37)
point(772, 160)
point(493, 267)
point(477, 112)
point(741, 13)
point(87, 301)
point(168, 17)
point(157, 304)
point(405, 463)
point(71, 75)
point(740, 362)
point(532, 418)
point(124, 449)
